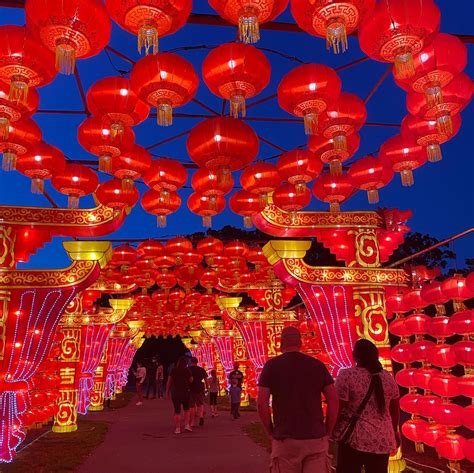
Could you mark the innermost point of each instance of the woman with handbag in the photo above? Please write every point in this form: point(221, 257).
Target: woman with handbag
point(367, 428)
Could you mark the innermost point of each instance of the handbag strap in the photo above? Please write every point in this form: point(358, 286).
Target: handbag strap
point(358, 412)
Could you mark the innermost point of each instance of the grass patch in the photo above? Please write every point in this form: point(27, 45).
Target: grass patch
point(58, 453)
point(258, 434)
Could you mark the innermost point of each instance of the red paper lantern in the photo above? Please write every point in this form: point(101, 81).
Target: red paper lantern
point(307, 91)
point(444, 385)
point(421, 350)
point(222, 145)
point(209, 279)
point(433, 433)
point(468, 449)
point(287, 198)
point(439, 327)
point(246, 205)
point(371, 174)
point(426, 134)
point(416, 323)
point(409, 403)
point(404, 377)
point(422, 377)
point(448, 414)
point(178, 247)
point(333, 189)
point(23, 135)
point(261, 179)
point(201, 205)
point(248, 15)
point(166, 175)
point(456, 96)
point(39, 163)
point(442, 355)
point(405, 156)
point(150, 249)
point(131, 165)
point(210, 247)
point(236, 72)
point(24, 62)
point(470, 282)
point(468, 417)
point(206, 183)
point(398, 29)
point(155, 204)
point(433, 294)
point(149, 20)
point(456, 289)
point(98, 138)
point(427, 405)
point(398, 328)
point(462, 322)
point(331, 20)
point(414, 429)
point(464, 352)
point(67, 29)
point(111, 194)
point(298, 167)
point(237, 250)
point(123, 256)
point(435, 67)
point(402, 353)
point(113, 99)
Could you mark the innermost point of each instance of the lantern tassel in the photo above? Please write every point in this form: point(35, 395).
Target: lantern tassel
point(407, 177)
point(454, 467)
point(335, 167)
point(9, 161)
point(161, 221)
point(249, 31)
point(65, 59)
point(334, 207)
point(73, 202)
point(434, 152)
point(336, 36)
point(164, 114)
point(116, 130)
point(445, 124)
point(263, 200)
point(148, 39)
point(37, 186)
point(206, 221)
point(4, 127)
point(248, 221)
point(340, 142)
point(434, 95)
point(311, 123)
point(237, 106)
point(164, 196)
point(404, 66)
point(127, 184)
point(300, 188)
point(373, 196)
point(105, 163)
point(440, 309)
point(18, 89)
point(223, 176)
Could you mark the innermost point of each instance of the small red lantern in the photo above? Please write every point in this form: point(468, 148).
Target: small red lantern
point(206, 183)
point(444, 385)
point(150, 249)
point(248, 15)
point(236, 72)
point(468, 449)
point(428, 404)
point(405, 156)
point(113, 100)
point(416, 323)
point(298, 167)
point(131, 165)
point(448, 414)
point(123, 256)
point(111, 194)
point(41, 162)
point(439, 327)
point(22, 136)
point(456, 289)
point(464, 352)
point(24, 62)
point(333, 189)
point(209, 280)
point(261, 179)
point(442, 355)
point(166, 175)
point(414, 429)
point(177, 247)
point(462, 322)
point(246, 205)
point(413, 300)
point(398, 29)
point(98, 138)
point(420, 350)
point(402, 353)
point(422, 377)
point(434, 432)
point(201, 205)
point(468, 417)
point(470, 281)
point(398, 328)
point(155, 204)
point(149, 20)
point(210, 247)
point(307, 91)
point(287, 198)
point(331, 20)
point(67, 29)
point(404, 377)
point(165, 81)
point(409, 403)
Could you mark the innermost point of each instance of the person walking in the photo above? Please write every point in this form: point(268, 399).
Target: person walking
point(295, 382)
point(160, 379)
point(367, 429)
point(236, 374)
point(179, 381)
point(214, 388)
point(198, 387)
point(235, 393)
point(151, 378)
point(140, 375)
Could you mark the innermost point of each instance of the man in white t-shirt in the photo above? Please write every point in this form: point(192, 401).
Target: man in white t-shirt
point(140, 375)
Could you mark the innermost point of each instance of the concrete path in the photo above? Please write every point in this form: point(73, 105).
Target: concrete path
point(141, 440)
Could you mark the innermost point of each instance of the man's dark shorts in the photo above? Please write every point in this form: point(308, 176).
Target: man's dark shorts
point(197, 399)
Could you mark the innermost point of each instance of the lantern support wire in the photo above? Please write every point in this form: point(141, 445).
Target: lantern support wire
point(81, 90)
point(119, 54)
point(273, 145)
point(378, 84)
point(204, 106)
point(167, 140)
point(50, 199)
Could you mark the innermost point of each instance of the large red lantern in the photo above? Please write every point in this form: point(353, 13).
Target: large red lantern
point(246, 205)
point(166, 175)
point(98, 138)
point(307, 91)
point(206, 183)
point(462, 322)
point(236, 72)
point(398, 29)
point(442, 355)
point(405, 155)
point(333, 189)
point(398, 328)
point(404, 377)
point(439, 327)
point(416, 323)
point(76, 29)
point(178, 247)
point(332, 20)
point(370, 174)
point(433, 294)
point(456, 289)
point(165, 81)
point(222, 145)
point(123, 256)
point(23, 135)
point(435, 67)
point(150, 249)
point(249, 14)
point(153, 202)
point(414, 429)
point(427, 405)
point(451, 446)
point(76, 180)
point(24, 62)
point(113, 100)
point(426, 134)
point(434, 432)
point(409, 403)
point(39, 163)
point(464, 352)
point(444, 385)
point(131, 165)
point(287, 198)
point(422, 377)
point(111, 194)
point(298, 167)
point(448, 414)
point(201, 205)
point(210, 247)
point(149, 20)
point(260, 179)
point(456, 96)
point(402, 353)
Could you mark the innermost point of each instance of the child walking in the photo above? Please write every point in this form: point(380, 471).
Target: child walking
point(235, 392)
point(214, 388)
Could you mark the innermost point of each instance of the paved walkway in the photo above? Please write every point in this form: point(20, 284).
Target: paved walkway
point(141, 440)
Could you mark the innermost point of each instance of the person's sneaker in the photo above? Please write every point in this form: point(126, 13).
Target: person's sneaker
point(139, 403)
point(188, 428)
point(177, 431)
point(201, 421)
